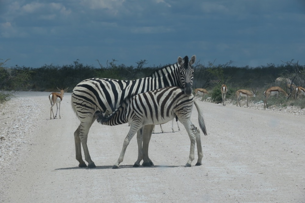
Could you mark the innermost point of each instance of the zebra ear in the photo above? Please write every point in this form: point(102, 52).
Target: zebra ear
point(193, 59)
point(180, 61)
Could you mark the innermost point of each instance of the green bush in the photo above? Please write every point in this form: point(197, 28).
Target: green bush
point(4, 97)
point(216, 94)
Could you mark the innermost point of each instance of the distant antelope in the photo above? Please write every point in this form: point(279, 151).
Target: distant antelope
point(273, 91)
point(224, 91)
point(56, 98)
point(152, 108)
point(244, 93)
point(200, 90)
point(299, 91)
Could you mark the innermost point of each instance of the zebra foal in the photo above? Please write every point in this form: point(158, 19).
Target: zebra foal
point(152, 108)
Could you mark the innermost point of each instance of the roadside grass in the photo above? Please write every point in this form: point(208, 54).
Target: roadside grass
point(4, 97)
point(279, 101)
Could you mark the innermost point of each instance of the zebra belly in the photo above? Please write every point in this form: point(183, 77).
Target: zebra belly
point(157, 121)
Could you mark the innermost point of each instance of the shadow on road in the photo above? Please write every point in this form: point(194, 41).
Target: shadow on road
point(121, 167)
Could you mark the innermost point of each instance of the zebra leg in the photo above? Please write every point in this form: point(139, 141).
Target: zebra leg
point(198, 142)
point(78, 148)
point(188, 126)
point(83, 136)
point(178, 125)
point(140, 147)
point(132, 131)
point(161, 128)
point(173, 126)
point(146, 138)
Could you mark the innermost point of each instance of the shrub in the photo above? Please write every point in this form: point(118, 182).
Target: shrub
point(4, 97)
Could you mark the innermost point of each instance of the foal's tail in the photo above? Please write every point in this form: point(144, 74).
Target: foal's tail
point(200, 119)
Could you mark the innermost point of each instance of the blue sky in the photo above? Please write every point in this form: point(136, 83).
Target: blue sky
point(247, 32)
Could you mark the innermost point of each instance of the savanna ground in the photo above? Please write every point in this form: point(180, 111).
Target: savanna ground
point(250, 155)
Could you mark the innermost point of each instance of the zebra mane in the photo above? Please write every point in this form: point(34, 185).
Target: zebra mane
point(186, 62)
point(153, 74)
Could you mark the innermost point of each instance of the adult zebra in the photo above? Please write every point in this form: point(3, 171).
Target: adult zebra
point(105, 95)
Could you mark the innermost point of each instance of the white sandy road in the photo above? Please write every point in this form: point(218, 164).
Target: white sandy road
point(249, 156)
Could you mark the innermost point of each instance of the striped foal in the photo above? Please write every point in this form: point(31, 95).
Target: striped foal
point(153, 108)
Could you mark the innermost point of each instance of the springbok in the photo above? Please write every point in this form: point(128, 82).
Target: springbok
point(56, 98)
point(244, 93)
point(224, 91)
point(152, 108)
point(273, 91)
point(197, 91)
point(299, 91)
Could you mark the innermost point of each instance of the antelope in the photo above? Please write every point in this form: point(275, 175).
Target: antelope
point(244, 93)
point(288, 83)
point(299, 91)
point(224, 91)
point(56, 98)
point(272, 91)
point(200, 90)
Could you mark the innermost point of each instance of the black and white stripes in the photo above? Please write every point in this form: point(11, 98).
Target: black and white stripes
point(156, 107)
point(153, 107)
point(106, 95)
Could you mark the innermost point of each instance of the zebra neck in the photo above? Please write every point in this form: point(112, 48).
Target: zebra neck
point(165, 77)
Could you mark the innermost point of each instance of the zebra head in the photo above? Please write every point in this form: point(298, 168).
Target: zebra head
point(186, 73)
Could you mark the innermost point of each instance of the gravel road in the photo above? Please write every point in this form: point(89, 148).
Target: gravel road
point(250, 155)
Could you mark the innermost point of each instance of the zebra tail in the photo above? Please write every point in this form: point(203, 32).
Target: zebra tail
point(200, 119)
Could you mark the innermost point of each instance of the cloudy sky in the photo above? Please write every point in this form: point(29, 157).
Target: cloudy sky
point(247, 32)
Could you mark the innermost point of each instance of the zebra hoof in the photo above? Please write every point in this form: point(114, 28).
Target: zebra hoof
point(115, 167)
point(188, 165)
point(198, 164)
point(148, 164)
point(82, 165)
point(92, 165)
point(136, 165)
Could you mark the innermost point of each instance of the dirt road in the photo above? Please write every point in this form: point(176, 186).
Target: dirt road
point(249, 156)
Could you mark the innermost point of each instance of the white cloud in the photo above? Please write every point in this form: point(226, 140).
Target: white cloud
point(32, 7)
point(6, 25)
point(147, 30)
point(164, 2)
point(7, 30)
point(211, 7)
point(112, 5)
point(16, 9)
